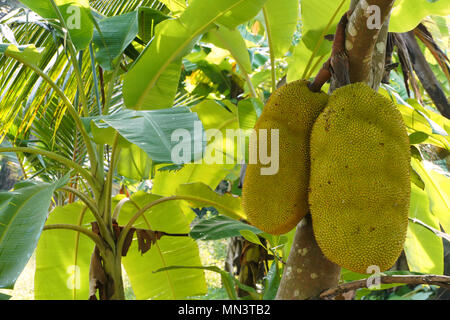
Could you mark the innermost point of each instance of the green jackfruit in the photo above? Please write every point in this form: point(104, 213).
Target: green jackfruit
point(360, 185)
point(276, 203)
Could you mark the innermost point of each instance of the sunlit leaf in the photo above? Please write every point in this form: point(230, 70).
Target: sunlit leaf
point(281, 23)
point(168, 251)
point(76, 15)
point(63, 257)
point(173, 40)
point(406, 15)
point(424, 250)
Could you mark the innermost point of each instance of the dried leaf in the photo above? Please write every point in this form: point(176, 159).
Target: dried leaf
point(146, 238)
point(97, 276)
point(128, 240)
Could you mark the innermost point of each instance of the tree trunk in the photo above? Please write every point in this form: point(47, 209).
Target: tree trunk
point(112, 265)
point(7, 180)
point(307, 272)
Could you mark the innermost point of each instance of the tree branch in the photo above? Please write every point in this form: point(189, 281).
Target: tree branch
point(442, 281)
point(379, 57)
point(362, 36)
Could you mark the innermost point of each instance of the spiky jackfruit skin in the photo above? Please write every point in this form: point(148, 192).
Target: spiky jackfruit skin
point(276, 203)
point(360, 185)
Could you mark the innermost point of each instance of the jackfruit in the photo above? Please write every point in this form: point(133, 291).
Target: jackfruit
point(360, 186)
point(275, 203)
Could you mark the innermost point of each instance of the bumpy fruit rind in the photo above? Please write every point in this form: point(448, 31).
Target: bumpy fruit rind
point(360, 185)
point(276, 203)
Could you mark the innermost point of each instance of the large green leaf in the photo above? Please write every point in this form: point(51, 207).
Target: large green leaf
point(148, 19)
point(134, 163)
point(175, 6)
point(63, 257)
point(173, 40)
point(22, 216)
point(213, 116)
point(200, 195)
point(406, 14)
point(437, 186)
point(76, 14)
point(152, 131)
point(232, 41)
point(229, 282)
point(424, 249)
point(166, 252)
point(319, 18)
point(282, 16)
point(116, 33)
point(220, 227)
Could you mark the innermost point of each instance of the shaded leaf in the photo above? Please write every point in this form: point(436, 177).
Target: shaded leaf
point(22, 216)
point(116, 33)
point(152, 131)
point(220, 227)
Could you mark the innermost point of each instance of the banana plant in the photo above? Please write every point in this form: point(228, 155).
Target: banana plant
point(65, 89)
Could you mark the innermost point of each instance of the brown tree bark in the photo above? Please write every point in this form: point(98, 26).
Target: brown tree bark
point(366, 40)
point(307, 272)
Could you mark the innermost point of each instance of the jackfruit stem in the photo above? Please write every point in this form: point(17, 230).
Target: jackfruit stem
point(337, 67)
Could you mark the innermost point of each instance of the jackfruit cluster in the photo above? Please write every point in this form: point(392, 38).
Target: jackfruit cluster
point(276, 203)
point(344, 158)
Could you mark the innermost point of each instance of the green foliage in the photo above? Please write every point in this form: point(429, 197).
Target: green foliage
point(155, 131)
point(166, 252)
point(22, 216)
point(76, 14)
point(406, 15)
point(219, 227)
point(193, 60)
point(200, 195)
point(63, 256)
point(424, 249)
point(113, 37)
point(152, 83)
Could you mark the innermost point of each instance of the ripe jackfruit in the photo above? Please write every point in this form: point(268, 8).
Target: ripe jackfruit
point(276, 203)
point(359, 185)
